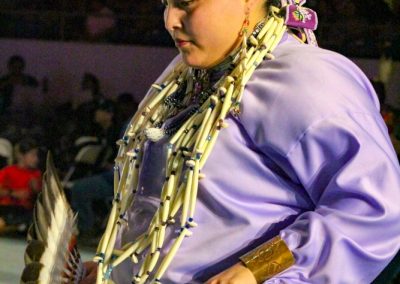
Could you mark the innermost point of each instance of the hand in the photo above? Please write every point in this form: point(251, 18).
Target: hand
point(237, 274)
point(91, 273)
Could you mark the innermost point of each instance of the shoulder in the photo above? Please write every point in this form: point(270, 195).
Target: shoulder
point(303, 85)
point(9, 169)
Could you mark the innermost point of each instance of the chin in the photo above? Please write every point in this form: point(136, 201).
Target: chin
point(194, 62)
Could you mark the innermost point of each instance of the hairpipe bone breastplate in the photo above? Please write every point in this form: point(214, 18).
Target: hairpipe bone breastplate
point(189, 146)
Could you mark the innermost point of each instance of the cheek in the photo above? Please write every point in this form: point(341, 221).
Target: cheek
point(215, 33)
point(226, 26)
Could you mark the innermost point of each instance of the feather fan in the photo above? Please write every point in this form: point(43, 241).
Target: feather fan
point(51, 256)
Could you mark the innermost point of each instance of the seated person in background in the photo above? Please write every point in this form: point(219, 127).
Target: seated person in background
point(77, 118)
point(103, 127)
point(86, 191)
point(388, 114)
point(90, 94)
point(85, 104)
point(124, 107)
point(107, 131)
point(19, 185)
point(18, 90)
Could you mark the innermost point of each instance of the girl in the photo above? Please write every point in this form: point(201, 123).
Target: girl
point(19, 185)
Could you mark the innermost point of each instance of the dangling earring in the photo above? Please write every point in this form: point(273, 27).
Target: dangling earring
point(243, 57)
point(244, 33)
point(246, 23)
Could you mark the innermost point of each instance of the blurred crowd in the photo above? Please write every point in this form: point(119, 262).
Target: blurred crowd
point(354, 28)
point(80, 134)
point(114, 21)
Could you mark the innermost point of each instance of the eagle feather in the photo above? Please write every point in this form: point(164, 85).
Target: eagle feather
point(52, 256)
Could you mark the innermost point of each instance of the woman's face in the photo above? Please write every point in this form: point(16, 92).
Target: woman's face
point(204, 31)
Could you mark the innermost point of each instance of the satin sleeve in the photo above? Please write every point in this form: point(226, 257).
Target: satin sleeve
point(315, 114)
point(348, 167)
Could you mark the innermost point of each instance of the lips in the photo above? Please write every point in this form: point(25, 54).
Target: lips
point(181, 42)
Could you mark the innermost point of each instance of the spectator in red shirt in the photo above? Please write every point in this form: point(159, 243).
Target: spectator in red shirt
point(19, 185)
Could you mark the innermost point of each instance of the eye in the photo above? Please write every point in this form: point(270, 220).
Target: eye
point(185, 3)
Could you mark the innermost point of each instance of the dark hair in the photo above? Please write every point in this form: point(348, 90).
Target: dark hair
point(16, 58)
point(276, 3)
point(91, 77)
point(106, 105)
point(25, 145)
point(94, 80)
point(125, 98)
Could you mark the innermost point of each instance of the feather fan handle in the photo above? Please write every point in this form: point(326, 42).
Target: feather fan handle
point(51, 256)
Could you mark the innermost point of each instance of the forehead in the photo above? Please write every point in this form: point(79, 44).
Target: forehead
point(32, 152)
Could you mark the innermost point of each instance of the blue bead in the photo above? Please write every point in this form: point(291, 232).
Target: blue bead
point(107, 275)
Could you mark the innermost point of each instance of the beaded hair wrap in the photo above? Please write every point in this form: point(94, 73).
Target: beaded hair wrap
point(188, 149)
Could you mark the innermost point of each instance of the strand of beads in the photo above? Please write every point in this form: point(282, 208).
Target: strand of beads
point(187, 154)
point(269, 42)
point(132, 140)
point(176, 164)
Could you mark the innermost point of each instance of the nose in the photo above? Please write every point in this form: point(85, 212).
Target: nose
point(172, 18)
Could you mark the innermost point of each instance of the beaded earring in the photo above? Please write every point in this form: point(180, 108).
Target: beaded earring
point(244, 37)
point(246, 22)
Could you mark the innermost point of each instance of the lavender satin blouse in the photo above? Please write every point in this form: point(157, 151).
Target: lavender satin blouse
point(308, 158)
